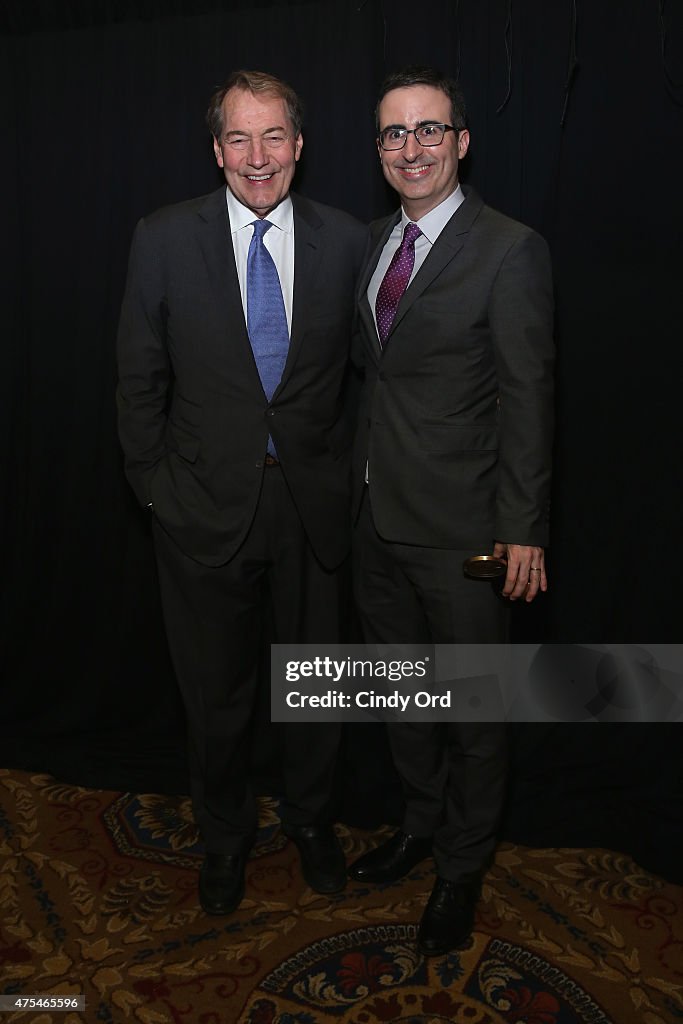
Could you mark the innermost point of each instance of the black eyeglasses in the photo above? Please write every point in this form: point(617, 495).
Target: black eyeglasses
point(426, 135)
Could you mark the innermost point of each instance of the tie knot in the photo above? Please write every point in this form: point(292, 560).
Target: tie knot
point(260, 227)
point(410, 233)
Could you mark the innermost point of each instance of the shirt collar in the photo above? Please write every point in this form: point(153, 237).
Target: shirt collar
point(241, 216)
point(433, 223)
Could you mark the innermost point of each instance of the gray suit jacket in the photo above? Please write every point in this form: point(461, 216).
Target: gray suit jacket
point(193, 417)
point(456, 418)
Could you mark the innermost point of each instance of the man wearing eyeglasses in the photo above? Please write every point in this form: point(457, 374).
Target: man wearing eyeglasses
point(452, 460)
point(233, 347)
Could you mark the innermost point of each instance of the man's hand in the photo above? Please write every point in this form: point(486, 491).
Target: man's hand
point(526, 570)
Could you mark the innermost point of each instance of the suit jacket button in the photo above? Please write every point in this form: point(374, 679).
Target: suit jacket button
point(271, 412)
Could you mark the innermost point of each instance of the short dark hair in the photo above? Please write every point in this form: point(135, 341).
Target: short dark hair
point(254, 82)
point(416, 74)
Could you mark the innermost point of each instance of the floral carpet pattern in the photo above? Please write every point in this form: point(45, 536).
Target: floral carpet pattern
point(98, 897)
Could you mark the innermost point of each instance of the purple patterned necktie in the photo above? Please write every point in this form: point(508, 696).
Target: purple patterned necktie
point(395, 282)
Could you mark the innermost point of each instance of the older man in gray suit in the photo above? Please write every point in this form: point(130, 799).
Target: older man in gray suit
point(452, 459)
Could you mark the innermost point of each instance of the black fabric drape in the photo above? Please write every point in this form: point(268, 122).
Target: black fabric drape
point(575, 113)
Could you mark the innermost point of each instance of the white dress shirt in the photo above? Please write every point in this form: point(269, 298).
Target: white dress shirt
point(431, 226)
point(278, 240)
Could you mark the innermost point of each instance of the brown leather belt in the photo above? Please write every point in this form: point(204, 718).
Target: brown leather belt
point(270, 460)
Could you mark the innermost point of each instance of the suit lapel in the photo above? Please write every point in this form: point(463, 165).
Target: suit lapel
point(445, 249)
point(216, 243)
point(309, 254)
point(225, 295)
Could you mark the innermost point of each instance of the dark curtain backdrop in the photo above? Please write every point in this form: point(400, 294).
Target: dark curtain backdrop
point(576, 113)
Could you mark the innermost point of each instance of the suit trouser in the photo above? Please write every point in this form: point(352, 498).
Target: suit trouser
point(215, 626)
point(452, 773)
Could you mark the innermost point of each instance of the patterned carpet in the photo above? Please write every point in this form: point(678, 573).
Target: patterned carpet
point(98, 896)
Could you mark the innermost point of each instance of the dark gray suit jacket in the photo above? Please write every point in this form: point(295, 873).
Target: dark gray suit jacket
point(193, 417)
point(456, 419)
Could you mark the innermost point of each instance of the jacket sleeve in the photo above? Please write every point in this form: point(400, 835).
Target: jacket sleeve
point(521, 317)
point(143, 364)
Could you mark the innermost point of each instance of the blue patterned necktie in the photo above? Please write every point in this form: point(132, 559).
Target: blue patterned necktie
point(266, 317)
point(395, 282)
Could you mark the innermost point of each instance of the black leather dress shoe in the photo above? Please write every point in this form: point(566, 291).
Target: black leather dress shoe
point(322, 860)
point(448, 918)
point(221, 882)
point(392, 860)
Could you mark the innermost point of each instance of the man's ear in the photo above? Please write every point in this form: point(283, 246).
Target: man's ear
point(463, 142)
point(217, 151)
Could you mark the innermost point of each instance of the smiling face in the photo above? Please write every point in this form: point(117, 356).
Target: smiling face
point(423, 176)
point(258, 166)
